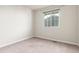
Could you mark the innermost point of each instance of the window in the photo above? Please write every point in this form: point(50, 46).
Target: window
point(51, 18)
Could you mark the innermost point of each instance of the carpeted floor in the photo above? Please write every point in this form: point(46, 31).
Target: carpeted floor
point(36, 45)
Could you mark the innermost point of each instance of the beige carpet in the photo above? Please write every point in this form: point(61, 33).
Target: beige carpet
point(36, 45)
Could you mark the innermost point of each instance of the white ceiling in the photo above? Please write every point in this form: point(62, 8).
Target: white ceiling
point(35, 7)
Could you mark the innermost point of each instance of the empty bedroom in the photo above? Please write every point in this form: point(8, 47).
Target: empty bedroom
point(39, 29)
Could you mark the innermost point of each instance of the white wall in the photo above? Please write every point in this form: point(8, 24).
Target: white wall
point(15, 24)
point(68, 25)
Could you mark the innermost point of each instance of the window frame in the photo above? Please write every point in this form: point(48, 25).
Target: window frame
point(45, 20)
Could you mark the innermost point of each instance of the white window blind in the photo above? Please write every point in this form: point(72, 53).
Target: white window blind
point(51, 18)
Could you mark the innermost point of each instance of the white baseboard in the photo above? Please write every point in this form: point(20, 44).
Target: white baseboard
point(73, 43)
point(14, 41)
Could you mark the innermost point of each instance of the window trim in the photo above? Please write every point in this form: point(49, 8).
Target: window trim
point(52, 26)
